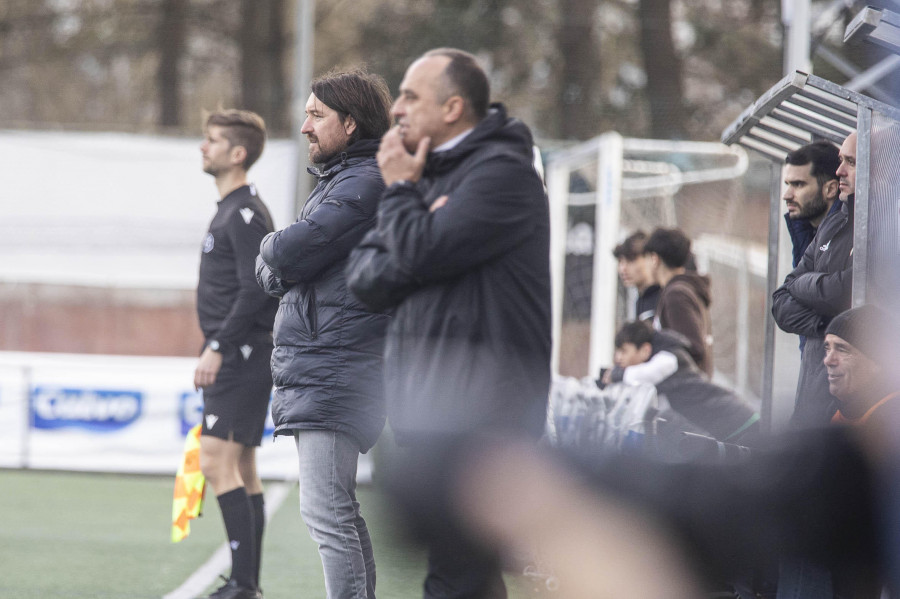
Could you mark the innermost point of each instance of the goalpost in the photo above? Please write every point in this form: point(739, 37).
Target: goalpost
point(606, 188)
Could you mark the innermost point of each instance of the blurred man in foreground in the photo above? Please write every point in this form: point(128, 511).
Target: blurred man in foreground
point(828, 497)
point(461, 252)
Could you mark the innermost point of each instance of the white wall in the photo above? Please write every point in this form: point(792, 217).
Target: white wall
point(115, 209)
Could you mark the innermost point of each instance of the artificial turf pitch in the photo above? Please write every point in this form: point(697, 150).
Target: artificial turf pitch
point(80, 535)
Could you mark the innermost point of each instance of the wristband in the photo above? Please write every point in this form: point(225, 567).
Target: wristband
point(401, 184)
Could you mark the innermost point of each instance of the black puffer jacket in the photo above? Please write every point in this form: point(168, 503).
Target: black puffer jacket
point(815, 292)
point(327, 364)
point(469, 343)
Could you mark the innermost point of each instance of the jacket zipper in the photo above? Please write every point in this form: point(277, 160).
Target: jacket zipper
point(311, 314)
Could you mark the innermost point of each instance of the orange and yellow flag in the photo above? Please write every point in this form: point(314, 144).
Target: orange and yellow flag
point(190, 486)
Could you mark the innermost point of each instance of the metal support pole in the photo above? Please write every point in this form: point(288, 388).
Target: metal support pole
point(304, 34)
point(874, 74)
point(861, 207)
point(849, 69)
point(558, 195)
point(772, 282)
point(742, 318)
point(796, 18)
point(606, 228)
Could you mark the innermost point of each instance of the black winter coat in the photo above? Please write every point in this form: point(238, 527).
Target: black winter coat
point(815, 292)
point(327, 365)
point(469, 344)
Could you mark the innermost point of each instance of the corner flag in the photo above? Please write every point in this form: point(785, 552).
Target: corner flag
point(190, 486)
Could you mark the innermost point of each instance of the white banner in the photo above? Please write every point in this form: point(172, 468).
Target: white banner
point(111, 414)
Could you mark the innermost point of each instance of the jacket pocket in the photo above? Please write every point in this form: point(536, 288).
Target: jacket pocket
point(312, 314)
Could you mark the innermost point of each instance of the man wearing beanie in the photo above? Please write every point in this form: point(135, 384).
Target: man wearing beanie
point(860, 357)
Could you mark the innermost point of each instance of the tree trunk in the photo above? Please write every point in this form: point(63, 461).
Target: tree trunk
point(580, 70)
point(170, 38)
point(262, 47)
point(277, 47)
point(665, 91)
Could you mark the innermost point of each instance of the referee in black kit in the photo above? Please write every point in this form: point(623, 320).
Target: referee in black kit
point(236, 317)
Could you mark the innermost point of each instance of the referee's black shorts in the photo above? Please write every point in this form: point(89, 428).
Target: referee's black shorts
point(234, 407)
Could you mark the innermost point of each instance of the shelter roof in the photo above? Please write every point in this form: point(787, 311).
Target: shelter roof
point(799, 109)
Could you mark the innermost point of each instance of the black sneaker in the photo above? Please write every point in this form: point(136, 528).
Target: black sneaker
point(232, 590)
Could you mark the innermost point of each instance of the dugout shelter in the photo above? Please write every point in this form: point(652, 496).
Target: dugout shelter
point(802, 108)
point(879, 26)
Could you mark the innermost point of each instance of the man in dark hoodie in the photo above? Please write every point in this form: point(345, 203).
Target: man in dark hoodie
point(327, 360)
point(684, 303)
point(817, 290)
point(461, 251)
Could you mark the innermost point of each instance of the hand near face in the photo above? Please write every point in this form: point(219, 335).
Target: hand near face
point(396, 163)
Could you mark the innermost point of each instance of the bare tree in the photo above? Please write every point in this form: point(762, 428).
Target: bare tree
point(665, 90)
point(142, 64)
point(171, 40)
point(261, 40)
point(580, 72)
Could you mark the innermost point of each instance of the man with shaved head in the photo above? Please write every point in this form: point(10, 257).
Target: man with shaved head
point(461, 253)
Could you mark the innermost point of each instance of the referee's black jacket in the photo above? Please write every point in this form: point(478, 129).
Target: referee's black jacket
point(327, 364)
point(231, 307)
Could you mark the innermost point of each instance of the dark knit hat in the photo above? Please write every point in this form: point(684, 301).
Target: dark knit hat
point(869, 329)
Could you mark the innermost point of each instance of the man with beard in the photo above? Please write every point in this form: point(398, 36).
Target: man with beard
point(817, 290)
point(326, 364)
point(811, 188)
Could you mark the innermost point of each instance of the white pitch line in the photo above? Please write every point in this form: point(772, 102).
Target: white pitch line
point(207, 573)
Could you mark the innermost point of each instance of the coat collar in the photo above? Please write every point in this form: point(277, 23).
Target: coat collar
point(360, 149)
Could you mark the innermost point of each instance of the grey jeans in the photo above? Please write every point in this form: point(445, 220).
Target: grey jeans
point(329, 508)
